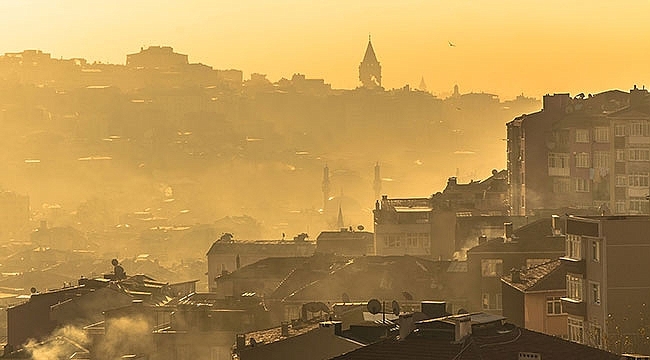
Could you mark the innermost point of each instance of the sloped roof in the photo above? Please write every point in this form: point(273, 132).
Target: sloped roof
point(493, 346)
point(375, 276)
point(536, 236)
point(547, 276)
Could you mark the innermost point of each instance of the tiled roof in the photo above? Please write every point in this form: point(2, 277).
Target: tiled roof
point(274, 334)
point(545, 276)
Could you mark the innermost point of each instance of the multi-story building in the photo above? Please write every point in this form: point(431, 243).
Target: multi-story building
point(428, 226)
point(584, 152)
point(532, 298)
point(527, 246)
point(227, 255)
point(607, 287)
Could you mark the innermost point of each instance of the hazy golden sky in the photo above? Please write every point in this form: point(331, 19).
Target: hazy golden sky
point(504, 47)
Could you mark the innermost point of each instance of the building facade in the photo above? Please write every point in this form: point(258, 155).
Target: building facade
point(607, 288)
point(590, 153)
point(227, 255)
point(431, 226)
point(527, 246)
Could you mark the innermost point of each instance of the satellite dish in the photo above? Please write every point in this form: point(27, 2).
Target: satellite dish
point(374, 306)
point(396, 309)
point(345, 297)
point(360, 227)
point(33, 290)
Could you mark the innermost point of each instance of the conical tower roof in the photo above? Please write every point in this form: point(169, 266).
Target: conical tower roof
point(370, 56)
point(339, 220)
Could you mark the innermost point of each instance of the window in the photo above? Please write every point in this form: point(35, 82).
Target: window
point(392, 240)
point(423, 238)
point(638, 179)
point(561, 185)
point(554, 305)
point(621, 180)
point(412, 240)
point(558, 164)
point(595, 251)
point(575, 330)
point(639, 154)
point(492, 267)
point(573, 247)
point(582, 160)
point(620, 206)
point(491, 301)
point(535, 262)
point(601, 134)
point(639, 128)
point(582, 185)
point(574, 287)
point(595, 293)
point(601, 159)
point(619, 130)
point(620, 154)
point(582, 135)
point(638, 205)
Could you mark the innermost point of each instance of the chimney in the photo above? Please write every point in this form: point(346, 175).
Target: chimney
point(507, 231)
point(241, 341)
point(434, 309)
point(482, 239)
point(462, 328)
point(555, 223)
point(284, 326)
point(516, 275)
point(337, 325)
point(452, 181)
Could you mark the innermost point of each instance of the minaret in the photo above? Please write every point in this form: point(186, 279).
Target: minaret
point(370, 69)
point(326, 186)
point(423, 85)
point(339, 220)
point(377, 183)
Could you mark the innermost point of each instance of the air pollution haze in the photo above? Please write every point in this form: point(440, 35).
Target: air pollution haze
point(203, 147)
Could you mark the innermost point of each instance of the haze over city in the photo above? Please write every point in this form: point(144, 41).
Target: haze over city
point(502, 47)
point(255, 180)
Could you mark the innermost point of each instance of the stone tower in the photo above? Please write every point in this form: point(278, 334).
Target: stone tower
point(370, 69)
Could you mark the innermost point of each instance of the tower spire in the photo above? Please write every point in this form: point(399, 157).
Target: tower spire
point(370, 69)
point(339, 220)
point(326, 186)
point(377, 183)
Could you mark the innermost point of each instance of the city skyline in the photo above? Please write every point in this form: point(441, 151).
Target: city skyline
point(506, 48)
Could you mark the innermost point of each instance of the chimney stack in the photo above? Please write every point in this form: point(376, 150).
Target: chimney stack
point(241, 341)
point(555, 222)
point(516, 275)
point(507, 230)
point(482, 239)
point(285, 329)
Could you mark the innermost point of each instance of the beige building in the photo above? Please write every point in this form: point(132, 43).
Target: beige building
point(227, 255)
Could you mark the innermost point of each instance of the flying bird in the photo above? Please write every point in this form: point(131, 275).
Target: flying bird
point(451, 44)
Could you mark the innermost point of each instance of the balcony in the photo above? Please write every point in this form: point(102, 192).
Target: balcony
point(574, 266)
point(574, 307)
